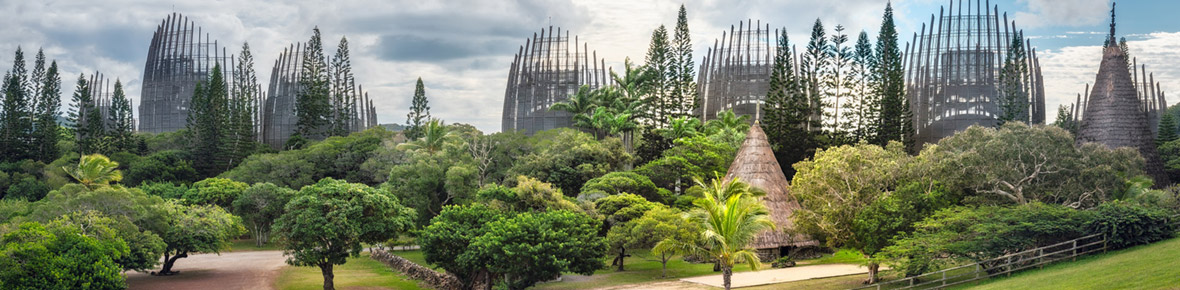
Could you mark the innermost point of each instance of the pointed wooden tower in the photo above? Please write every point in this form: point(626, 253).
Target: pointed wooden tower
point(1114, 115)
point(755, 164)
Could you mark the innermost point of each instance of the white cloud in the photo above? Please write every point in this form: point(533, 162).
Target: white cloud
point(1069, 69)
point(1069, 13)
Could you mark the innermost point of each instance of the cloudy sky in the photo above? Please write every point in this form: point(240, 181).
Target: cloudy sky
point(462, 48)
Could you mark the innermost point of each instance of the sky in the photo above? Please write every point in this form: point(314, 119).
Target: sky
point(462, 49)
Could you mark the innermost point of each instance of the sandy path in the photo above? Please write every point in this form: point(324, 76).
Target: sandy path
point(237, 270)
point(774, 276)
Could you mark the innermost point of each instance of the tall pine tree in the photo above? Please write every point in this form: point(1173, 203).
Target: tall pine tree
point(657, 63)
point(864, 109)
point(419, 112)
point(683, 90)
point(1167, 128)
point(838, 81)
point(243, 135)
point(342, 90)
point(122, 126)
point(812, 66)
point(208, 124)
point(86, 119)
point(16, 122)
point(313, 106)
point(788, 112)
point(889, 85)
point(1013, 97)
point(46, 130)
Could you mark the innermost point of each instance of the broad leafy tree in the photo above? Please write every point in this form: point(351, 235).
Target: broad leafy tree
point(60, 257)
point(327, 222)
point(196, 229)
point(259, 206)
point(215, 191)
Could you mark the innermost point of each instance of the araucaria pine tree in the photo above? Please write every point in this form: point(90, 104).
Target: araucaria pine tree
point(419, 112)
point(788, 112)
point(1013, 97)
point(889, 86)
point(119, 118)
point(86, 119)
point(864, 109)
point(812, 66)
point(243, 135)
point(207, 124)
point(46, 129)
point(313, 106)
point(657, 65)
point(838, 82)
point(1167, 128)
point(683, 90)
point(343, 90)
point(16, 126)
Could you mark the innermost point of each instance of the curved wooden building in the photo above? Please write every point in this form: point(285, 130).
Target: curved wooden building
point(546, 70)
point(735, 72)
point(180, 55)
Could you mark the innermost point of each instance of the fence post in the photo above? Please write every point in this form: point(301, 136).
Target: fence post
point(978, 269)
point(1009, 274)
point(1075, 250)
point(943, 277)
point(1104, 240)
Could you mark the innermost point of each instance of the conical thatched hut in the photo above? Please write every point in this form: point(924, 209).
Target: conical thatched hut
point(1114, 115)
point(755, 164)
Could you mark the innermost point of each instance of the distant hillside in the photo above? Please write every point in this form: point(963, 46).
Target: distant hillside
point(393, 127)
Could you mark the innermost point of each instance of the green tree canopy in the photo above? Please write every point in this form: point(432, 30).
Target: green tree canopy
point(327, 222)
point(259, 206)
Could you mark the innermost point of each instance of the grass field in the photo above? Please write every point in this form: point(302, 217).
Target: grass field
point(357, 273)
point(1152, 266)
point(247, 245)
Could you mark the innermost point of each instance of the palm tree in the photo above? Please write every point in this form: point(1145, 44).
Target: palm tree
point(435, 136)
point(94, 171)
point(683, 127)
point(580, 104)
point(730, 216)
point(727, 120)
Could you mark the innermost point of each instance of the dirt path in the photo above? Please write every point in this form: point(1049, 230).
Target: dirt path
point(237, 270)
point(774, 276)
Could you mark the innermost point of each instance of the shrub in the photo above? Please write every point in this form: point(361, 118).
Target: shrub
point(1126, 224)
point(626, 182)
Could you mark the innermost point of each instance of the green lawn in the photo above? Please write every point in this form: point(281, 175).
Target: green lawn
point(1143, 267)
point(246, 245)
point(357, 273)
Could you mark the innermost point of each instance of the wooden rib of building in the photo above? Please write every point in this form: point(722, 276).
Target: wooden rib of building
point(755, 164)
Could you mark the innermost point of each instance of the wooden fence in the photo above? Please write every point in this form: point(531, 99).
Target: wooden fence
point(1006, 264)
point(1003, 265)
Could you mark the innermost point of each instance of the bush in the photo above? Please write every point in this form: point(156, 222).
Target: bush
point(29, 188)
point(783, 262)
point(163, 166)
point(1126, 224)
point(166, 190)
point(215, 191)
point(627, 182)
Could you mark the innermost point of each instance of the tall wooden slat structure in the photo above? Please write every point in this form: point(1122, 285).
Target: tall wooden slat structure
point(179, 56)
point(954, 67)
point(546, 70)
point(736, 75)
point(1115, 115)
point(278, 113)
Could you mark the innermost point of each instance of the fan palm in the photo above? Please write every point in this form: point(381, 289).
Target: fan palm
point(435, 136)
point(580, 103)
point(682, 127)
point(730, 216)
point(94, 171)
point(727, 121)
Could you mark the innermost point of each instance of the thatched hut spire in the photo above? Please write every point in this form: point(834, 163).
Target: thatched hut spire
point(755, 164)
point(1113, 114)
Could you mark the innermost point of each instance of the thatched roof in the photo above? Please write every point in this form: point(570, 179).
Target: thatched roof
point(1114, 115)
point(755, 164)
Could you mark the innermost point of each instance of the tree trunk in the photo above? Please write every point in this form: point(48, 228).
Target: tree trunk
point(326, 269)
point(259, 239)
point(664, 260)
point(727, 277)
point(622, 255)
point(716, 266)
point(873, 269)
point(169, 261)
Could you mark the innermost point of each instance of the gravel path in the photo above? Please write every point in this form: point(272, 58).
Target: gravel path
point(774, 276)
point(236, 270)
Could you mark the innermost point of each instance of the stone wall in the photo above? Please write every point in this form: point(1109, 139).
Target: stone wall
point(421, 273)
